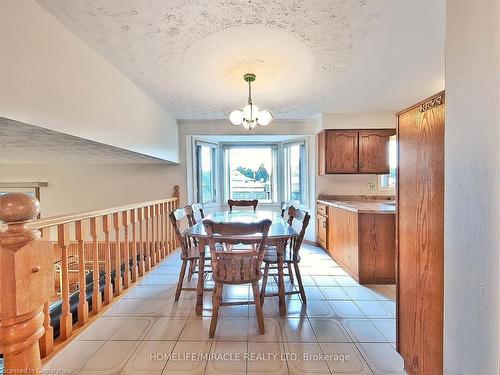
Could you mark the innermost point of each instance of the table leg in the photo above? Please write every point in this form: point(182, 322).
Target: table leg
point(280, 250)
point(201, 277)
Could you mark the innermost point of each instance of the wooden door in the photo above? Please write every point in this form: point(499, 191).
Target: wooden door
point(374, 151)
point(420, 223)
point(341, 151)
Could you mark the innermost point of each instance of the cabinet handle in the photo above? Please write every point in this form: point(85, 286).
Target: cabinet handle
point(35, 269)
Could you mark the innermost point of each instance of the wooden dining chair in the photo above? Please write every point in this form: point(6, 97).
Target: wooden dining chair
point(299, 219)
point(194, 213)
point(190, 252)
point(242, 203)
point(285, 206)
point(237, 266)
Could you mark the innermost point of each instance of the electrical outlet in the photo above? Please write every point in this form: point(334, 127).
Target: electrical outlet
point(371, 186)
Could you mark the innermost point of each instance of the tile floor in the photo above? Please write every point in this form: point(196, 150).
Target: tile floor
point(344, 329)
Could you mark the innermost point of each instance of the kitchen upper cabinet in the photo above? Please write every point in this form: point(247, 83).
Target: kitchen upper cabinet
point(374, 151)
point(343, 152)
point(354, 151)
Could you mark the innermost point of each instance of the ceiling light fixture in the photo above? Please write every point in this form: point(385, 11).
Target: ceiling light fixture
point(250, 116)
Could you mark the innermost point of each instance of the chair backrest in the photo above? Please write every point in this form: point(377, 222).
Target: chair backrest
point(299, 219)
point(237, 266)
point(176, 218)
point(284, 207)
point(242, 203)
point(194, 213)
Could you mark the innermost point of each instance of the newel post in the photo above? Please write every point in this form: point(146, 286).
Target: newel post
point(26, 282)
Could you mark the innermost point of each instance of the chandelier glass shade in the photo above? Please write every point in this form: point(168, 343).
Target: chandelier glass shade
point(250, 116)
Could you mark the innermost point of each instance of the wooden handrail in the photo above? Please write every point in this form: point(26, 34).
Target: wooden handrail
point(70, 218)
point(134, 238)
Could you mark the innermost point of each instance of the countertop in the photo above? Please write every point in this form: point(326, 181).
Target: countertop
point(362, 207)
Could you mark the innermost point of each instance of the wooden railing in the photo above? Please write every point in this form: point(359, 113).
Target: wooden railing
point(55, 262)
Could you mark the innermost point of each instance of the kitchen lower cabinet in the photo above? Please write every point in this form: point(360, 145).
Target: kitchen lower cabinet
point(363, 244)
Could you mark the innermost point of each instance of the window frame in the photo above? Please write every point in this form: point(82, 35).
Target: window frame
point(304, 182)
point(275, 175)
point(380, 177)
point(196, 172)
point(221, 186)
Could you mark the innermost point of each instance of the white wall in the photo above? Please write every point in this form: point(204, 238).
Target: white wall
point(356, 184)
point(50, 78)
point(82, 187)
point(472, 190)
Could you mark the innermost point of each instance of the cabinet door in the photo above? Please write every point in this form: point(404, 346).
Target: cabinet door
point(342, 151)
point(374, 151)
point(322, 230)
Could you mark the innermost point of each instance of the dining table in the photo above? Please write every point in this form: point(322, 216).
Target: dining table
point(279, 234)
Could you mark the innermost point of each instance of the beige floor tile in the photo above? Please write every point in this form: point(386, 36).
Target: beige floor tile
point(114, 328)
point(346, 309)
point(166, 328)
point(387, 327)
point(111, 357)
point(382, 358)
point(229, 358)
point(362, 330)
point(266, 358)
point(149, 358)
point(297, 330)
point(312, 292)
point(158, 279)
point(345, 281)
point(319, 309)
point(374, 309)
point(184, 307)
point(74, 356)
point(359, 293)
point(137, 307)
point(196, 329)
point(272, 327)
point(344, 358)
point(308, 358)
point(239, 310)
point(151, 292)
point(335, 293)
point(231, 329)
point(329, 330)
point(389, 305)
point(327, 281)
point(188, 357)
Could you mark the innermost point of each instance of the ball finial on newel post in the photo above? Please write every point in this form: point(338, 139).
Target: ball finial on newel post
point(26, 274)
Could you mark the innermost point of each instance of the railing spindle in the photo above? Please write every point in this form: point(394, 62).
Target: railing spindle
point(96, 289)
point(147, 246)
point(142, 261)
point(46, 342)
point(108, 287)
point(126, 249)
point(135, 261)
point(66, 321)
point(118, 257)
point(161, 209)
point(83, 306)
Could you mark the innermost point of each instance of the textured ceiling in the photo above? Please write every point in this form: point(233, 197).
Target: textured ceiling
point(23, 143)
point(310, 56)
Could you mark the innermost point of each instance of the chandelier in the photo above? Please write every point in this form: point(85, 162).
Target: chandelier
point(250, 116)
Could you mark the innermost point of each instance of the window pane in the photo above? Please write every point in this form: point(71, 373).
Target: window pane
point(389, 180)
point(206, 174)
point(250, 173)
point(295, 173)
